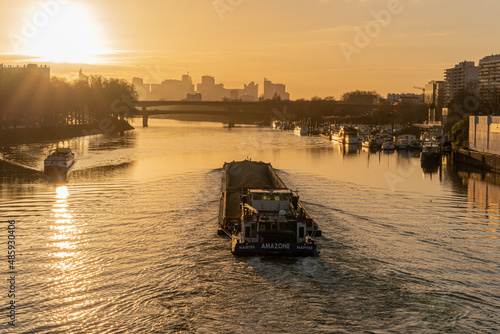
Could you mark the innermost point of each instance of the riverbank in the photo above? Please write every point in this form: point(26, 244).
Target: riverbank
point(10, 137)
point(484, 161)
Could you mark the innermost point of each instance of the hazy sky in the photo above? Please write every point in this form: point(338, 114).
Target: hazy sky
point(315, 47)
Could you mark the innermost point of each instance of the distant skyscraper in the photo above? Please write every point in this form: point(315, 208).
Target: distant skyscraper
point(271, 90)
point(82, 78)
point(464, 75)
point(250, 92)
point(207, 88)
point(143, 90)
point(489, 76)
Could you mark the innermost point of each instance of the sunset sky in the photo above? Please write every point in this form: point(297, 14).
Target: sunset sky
point(295, 42)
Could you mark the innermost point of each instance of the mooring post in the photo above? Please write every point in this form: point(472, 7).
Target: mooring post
point(145, 117)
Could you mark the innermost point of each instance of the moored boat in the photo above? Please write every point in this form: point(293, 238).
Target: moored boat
point(388, 145)
point(59, 161)
point(370, 143)
point(261, 215)
point(431, 154)
point(346, 135)
point(301, 130)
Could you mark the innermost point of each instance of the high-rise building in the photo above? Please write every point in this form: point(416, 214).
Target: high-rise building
point(250, 92)
point(143, 90)
point(271, 90)
point(489, 76)
point(462, 77)
point(434, 94)
point(207, 88)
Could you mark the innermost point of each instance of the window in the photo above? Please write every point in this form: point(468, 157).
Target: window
point(301, 232)
point(247, 231)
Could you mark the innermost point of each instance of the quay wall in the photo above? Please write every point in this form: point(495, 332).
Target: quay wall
point(20, 136)
point(480, 160)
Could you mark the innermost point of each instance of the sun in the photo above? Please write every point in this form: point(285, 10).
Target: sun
point(69, 34)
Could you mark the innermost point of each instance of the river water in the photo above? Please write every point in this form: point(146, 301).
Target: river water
point(129, 244)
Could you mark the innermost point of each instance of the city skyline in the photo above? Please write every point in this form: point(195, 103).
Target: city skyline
point(317, 48)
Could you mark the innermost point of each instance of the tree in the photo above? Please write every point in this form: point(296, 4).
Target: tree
point(360, 97)
point(460, 132)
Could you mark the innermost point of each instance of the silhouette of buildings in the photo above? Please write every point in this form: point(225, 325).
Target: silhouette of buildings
point(28, 74)
point(207, 90)
point(273, 91)
point(168, 90)
point(404, 97)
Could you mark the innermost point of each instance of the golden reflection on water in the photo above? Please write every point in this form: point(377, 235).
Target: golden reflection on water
point(63, 241)
point(65, 232)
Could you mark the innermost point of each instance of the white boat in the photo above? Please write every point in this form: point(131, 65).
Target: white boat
point(388, 145)
point(351, 136)
point(403, 142)
point(59, 161)
point(277, 125)
point(301, 130)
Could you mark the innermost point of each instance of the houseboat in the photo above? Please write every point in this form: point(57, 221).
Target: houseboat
point(346, 135)
point(301, 130)
point(261, 215)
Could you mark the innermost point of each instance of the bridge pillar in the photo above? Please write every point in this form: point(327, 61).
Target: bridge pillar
point(145, 117)
point(230, 121)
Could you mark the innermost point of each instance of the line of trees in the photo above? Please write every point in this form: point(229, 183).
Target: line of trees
point(27, 101)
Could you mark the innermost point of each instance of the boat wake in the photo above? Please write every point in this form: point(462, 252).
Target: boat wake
point(19, 165)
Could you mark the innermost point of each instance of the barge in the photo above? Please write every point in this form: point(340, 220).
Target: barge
point(261, 215)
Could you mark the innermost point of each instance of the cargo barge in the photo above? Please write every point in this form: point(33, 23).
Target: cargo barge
point(261, 215)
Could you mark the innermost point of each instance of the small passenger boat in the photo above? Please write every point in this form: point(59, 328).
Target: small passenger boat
point(59, 161)
point(261, 215)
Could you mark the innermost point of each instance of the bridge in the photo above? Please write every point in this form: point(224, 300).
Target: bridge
point(231, 109)
point(264, 110)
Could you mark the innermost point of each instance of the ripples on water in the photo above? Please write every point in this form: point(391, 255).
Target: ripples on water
point(129, 243)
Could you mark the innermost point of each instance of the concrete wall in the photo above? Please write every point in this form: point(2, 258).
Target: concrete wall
point(484, 134)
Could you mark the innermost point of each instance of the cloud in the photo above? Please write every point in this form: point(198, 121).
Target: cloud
point(339, 28)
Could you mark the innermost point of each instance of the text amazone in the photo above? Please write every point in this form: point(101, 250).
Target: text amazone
point(275, 246)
